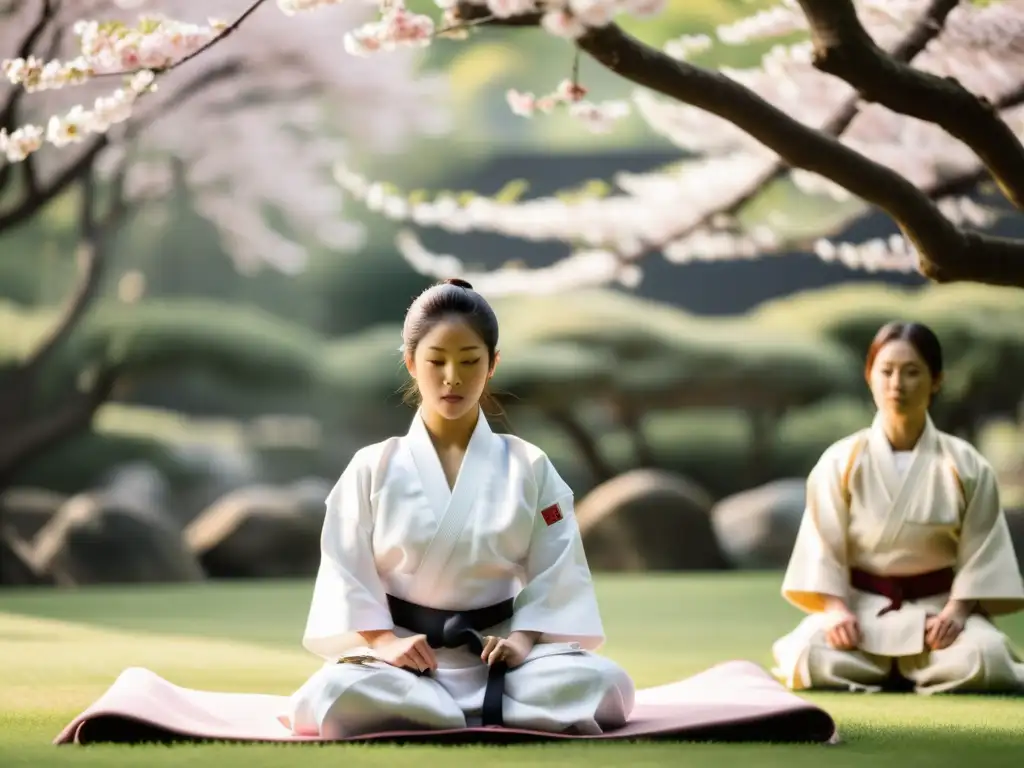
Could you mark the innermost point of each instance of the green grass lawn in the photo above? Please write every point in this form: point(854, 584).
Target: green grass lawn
point(60, 650)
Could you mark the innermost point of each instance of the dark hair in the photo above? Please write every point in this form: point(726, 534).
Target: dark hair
point(919, 336)
point(451, 298)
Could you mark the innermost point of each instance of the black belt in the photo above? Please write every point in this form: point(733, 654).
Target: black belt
point(454, 629)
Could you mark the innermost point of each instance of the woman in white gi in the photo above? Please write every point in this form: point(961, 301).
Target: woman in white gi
point(903, 554)
point(453, 517)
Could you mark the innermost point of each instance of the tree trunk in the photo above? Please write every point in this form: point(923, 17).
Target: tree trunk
point(961, 419)
point(27, 428)
point(632, 422)
point(763, 425)
point(21, 442)
point(585, 443)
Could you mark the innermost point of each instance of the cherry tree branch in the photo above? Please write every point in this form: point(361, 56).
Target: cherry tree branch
point(799, 145)
point(28, 44)
point(95, 231)
point(945, 252)
point(843, 48)
point(37, 198)
point(953, 186)
point(37, 195)
point(224, 33)
point(27, 440)
point(927, 28)
point(95, 234)
point(964, 183)
point(9, 111)
point(91, 257)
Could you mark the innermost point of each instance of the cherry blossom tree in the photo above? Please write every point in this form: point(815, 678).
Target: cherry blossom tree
point(903, 105)
point(253, 123)
point(900, 105)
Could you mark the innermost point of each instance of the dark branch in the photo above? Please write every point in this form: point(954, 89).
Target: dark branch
point(964, 183)
point(96, 231)
point(843, 48)
point(952, 186)
point(927, 28)
point(95, 234)
point(26, 441)
point(9, 111)
point(797, 144)
point(924, 31)
point(24, 51)
point(30, 204)
point(946, 253)
point(957, 185)
point(38, 196)
point(224, 33)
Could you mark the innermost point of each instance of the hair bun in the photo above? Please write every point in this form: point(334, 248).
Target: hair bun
point(459, 282)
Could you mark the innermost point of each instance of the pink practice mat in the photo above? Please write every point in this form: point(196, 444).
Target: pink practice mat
point(734, 701)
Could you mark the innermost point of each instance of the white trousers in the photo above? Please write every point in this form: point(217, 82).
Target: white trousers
point(980, 660)
point(558, 688)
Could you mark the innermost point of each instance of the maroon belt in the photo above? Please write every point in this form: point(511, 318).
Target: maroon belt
point(900, 588)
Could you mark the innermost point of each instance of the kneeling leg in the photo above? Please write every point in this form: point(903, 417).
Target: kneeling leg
point(342, 700)
point(559, 689)
point(826, 668)
point(978, 661)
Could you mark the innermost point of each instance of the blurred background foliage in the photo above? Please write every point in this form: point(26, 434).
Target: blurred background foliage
point(731, 376)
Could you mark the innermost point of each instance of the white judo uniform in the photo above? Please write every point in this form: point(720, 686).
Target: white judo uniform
point(901, 514)
point(506, 530)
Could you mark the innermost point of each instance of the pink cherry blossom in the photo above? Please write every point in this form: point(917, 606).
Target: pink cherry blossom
point(688, 212)
point(522, 104)
point(279, 103)
point(598, 118)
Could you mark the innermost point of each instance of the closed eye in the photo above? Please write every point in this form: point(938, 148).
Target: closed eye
point(472, 362)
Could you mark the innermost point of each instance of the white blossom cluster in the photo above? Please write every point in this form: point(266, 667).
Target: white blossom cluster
point(158, 41)
point(108, 48)
point(78, 122)
point(688, 212)
point(254, 122)
point(597, 117)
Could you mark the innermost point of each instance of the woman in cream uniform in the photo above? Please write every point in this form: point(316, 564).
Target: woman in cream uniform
point(903, 554)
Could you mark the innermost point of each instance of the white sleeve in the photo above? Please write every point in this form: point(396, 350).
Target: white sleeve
point(348, 596)
point(558, 598)
point(818, 566)
point(987, 568)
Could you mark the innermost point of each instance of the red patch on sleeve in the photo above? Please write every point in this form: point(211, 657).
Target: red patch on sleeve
point(551, 514)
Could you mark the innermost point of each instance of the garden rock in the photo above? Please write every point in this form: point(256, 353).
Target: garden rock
point(649, 520)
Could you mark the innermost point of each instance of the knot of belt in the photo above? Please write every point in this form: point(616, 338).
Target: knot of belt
point(455, 629)
point(900, 588)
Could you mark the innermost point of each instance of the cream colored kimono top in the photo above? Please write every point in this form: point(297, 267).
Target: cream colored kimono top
point(862, 512)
